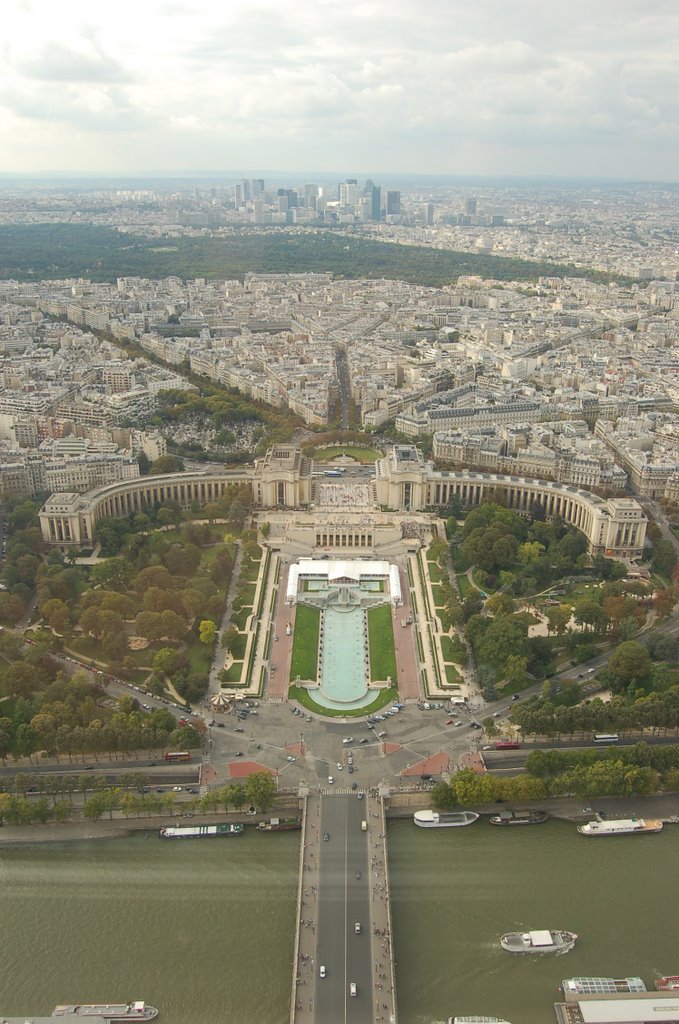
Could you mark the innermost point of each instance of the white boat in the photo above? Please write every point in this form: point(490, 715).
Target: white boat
point(620, 827)
point(477, 1020)
point(137, 1011)
point(541, 941)
point(601, 986)
point(444, 819)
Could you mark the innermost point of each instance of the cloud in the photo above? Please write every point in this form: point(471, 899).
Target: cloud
point(374, 80)
point(59, 63)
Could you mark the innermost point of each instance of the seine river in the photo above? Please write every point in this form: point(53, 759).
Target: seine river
point(204, 930)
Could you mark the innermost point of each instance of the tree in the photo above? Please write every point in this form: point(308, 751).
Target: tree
point(558, 618)
point(207, 631)
point(630, 661)
point(664, 557)
point(114, 573)
point(166, 464)
point(260, 789)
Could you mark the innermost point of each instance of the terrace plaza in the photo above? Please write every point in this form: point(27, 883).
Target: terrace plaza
point(379, 513)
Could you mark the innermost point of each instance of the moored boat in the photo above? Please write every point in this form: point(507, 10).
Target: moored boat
point(668, 983)
point(601, 986)
point(279, 825)
point(477, 1020)
point(444, 819)
point(201, 831)
point(518, 818)
point(540, 941)
point(620, 827)
point(109, 1011)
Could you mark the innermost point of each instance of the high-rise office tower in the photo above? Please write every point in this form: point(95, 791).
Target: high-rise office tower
point(256, 187)
point(470, 205)
point(393, 207)
point(375, 202)
point(245, 185)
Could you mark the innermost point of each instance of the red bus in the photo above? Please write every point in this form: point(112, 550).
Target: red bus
point(507, 745)
point(179, 755)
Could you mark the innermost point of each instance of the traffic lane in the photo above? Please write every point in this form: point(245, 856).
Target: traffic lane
point(343, 900)
point(331, 992)
point(358, 910)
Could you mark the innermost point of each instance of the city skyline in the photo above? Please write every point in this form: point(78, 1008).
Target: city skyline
point(453, 90)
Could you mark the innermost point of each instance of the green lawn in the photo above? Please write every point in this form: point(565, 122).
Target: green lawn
point(465, 587)
point(453, 649)
point(434, 571)
point(384, 696)
point(305, 643)
point(233, 674)
point(240, 618)
point(452, 675)
point(381, 643)
point(238, 646)
point(437, 594)
point(351, 451)
point(200, 657)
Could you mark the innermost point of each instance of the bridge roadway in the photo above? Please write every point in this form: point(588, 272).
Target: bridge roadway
point(343, 883)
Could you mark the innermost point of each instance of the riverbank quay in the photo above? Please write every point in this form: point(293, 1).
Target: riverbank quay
point(397, 805)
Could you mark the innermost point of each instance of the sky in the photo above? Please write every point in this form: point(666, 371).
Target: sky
point(488, 87)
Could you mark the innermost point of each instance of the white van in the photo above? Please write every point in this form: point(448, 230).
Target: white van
point(352, 988)
point(364, 826)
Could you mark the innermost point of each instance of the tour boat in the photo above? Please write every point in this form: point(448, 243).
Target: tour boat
point(444, 819)
point(200, 831)
point(541, 941)
point(668, 983)
point(620, 827)
point(601, 986)
point(518, 818)
point(477, 1020)
point(109, 1011)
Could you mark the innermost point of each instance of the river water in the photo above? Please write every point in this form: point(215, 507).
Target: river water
point(205, 930)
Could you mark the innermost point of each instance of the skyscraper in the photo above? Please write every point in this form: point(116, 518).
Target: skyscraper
point(393, 207)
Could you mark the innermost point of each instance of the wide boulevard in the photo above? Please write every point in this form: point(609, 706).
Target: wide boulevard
point(344, 902)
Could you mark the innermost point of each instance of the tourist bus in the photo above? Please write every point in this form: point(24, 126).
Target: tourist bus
point(606, 737)
point(177, 755)
point(507, 745)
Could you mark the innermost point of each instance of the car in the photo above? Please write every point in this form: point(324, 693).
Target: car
point(322, 971)
point(458, 725)
point(308, 718)
point(516, 696)
point(357, 928)
point(339, 766)
point(358, 875)
point(147, 707)
point(348, 739)
point(176, 789)
point(352, 988)
point(449, 721)
point(486, 746)
point(330, 780)
point(351, 769)
point(239, 753)
point(587, 810)
point(290, 758)
point(239, 728)
point(88, 767)
point(160, 789)
point(364, 739)
point(354, 785)
point(360, 795)
point(497, 714)
point(381, 734)
point(220, 725)
point(326, 837)
point(192, 789)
